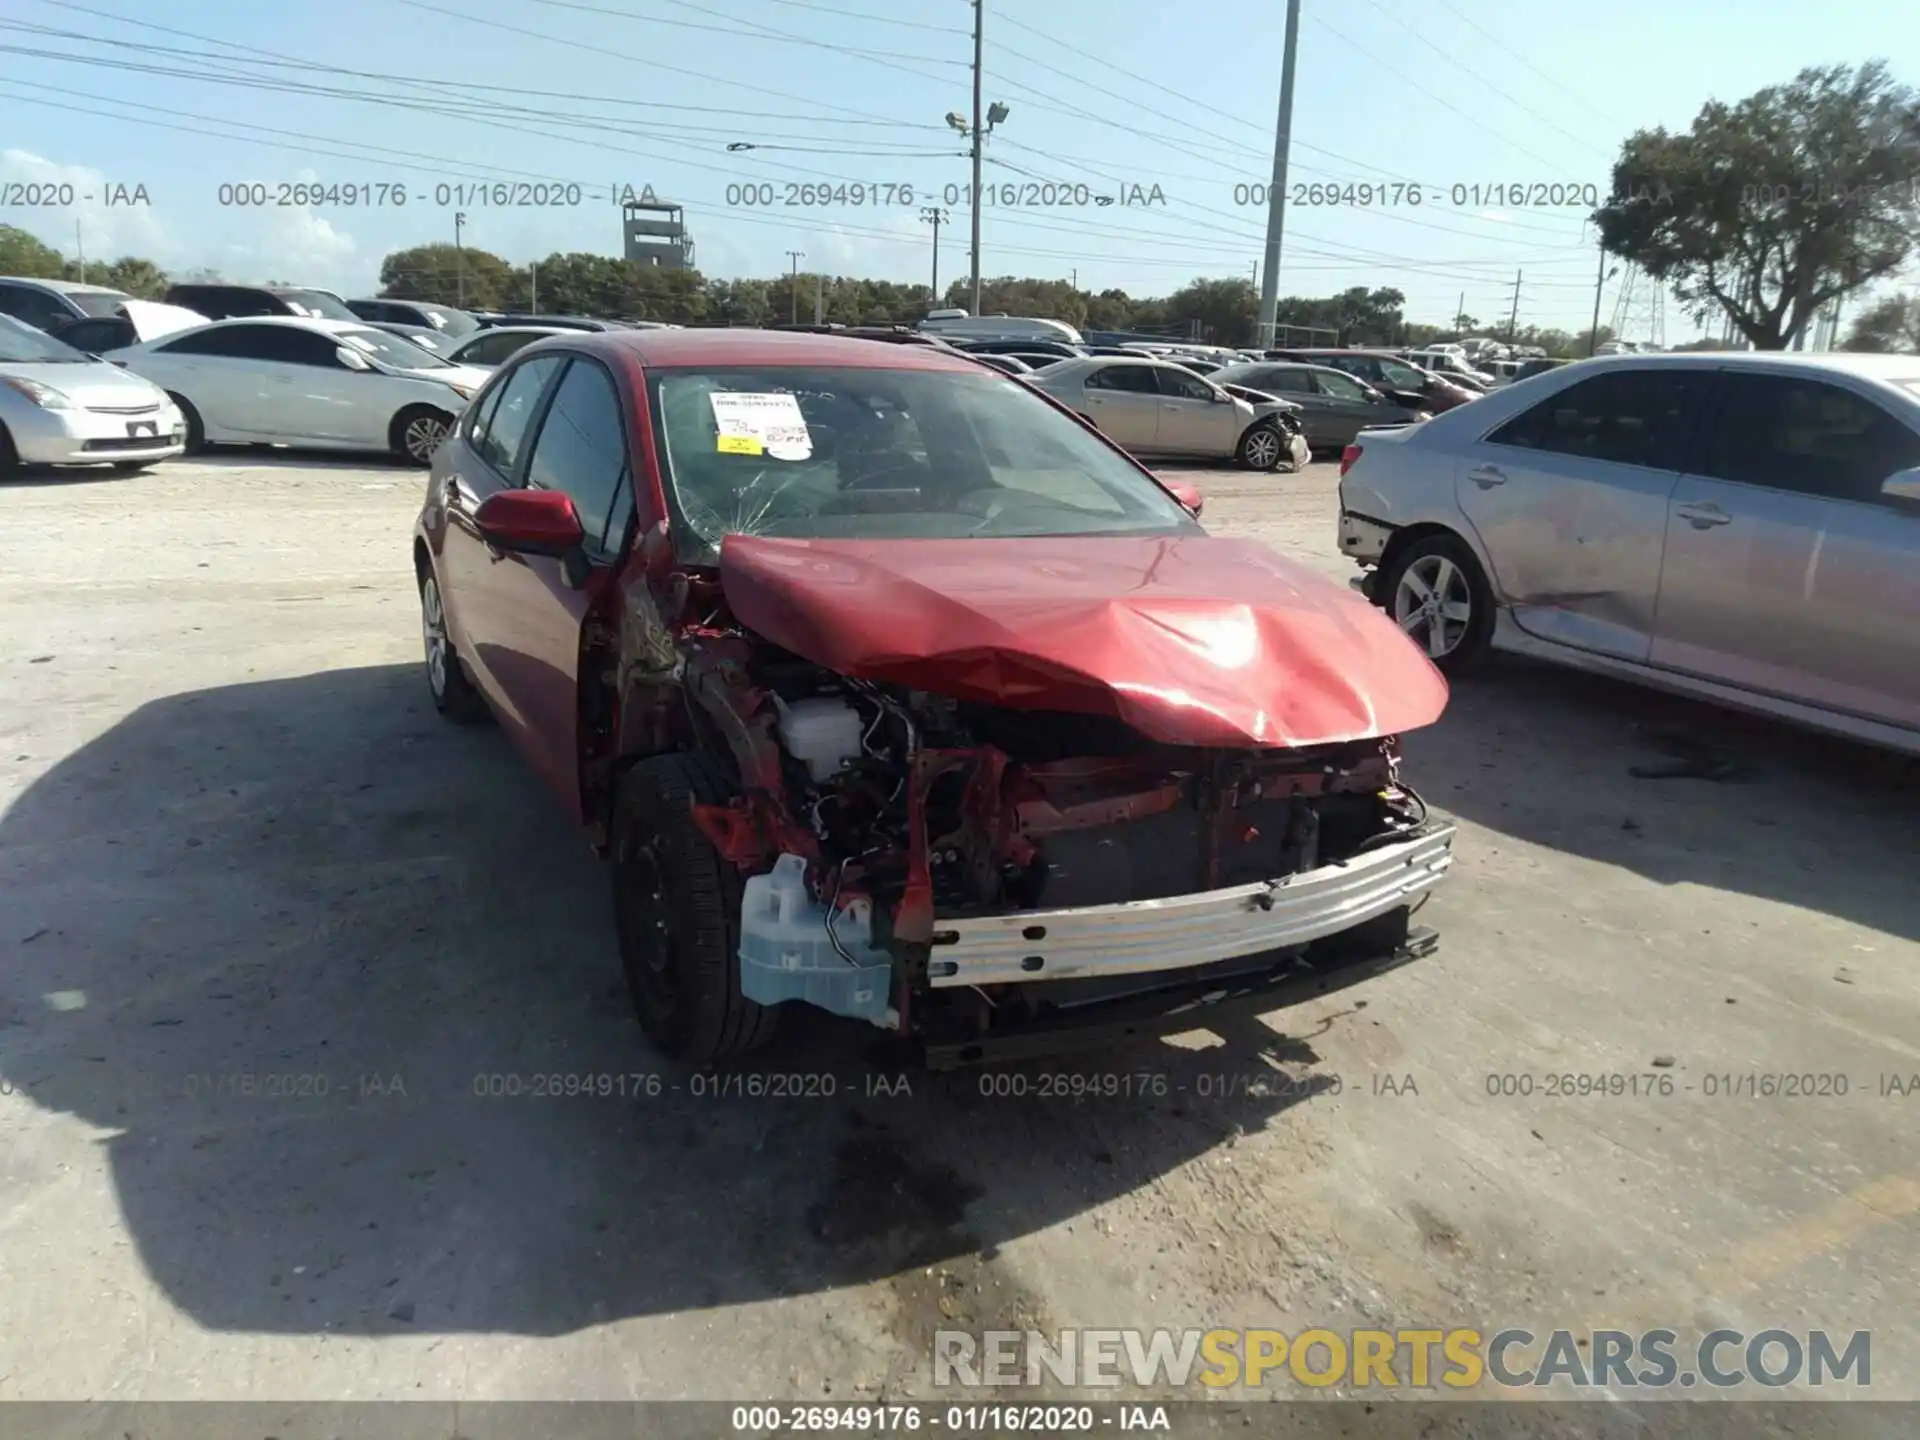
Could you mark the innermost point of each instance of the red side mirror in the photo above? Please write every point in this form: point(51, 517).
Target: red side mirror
point(530, 522)
point(1187, 493)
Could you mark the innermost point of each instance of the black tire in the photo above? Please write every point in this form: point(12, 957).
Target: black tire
point(196, 431)
point(417, 431)
point(454, 695)
point(1429, 558)
point(9, 457)
point(1262, 447)
point(676, 905)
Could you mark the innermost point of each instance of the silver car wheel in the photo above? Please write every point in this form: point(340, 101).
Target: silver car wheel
point(423, 436)
point(1433, 603)
point(433, 629)
point(1263, 449)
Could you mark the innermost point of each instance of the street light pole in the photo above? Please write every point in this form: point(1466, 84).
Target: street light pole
point(459, 259)
point(979, 8)
point(1277, 194)
point(1599, 284)
point(933, 215)
point(793, 287)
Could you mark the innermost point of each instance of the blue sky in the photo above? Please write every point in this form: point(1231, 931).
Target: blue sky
point(1171, 107)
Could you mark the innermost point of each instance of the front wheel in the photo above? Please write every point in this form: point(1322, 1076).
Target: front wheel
point(676, 906)
point(1438, 595)
point(1262, 447)
point(417, 431)
point(196, 428)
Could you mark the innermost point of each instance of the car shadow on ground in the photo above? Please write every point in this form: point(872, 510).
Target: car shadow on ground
point(1616, 772)
point(255, 457)
point(309, 957)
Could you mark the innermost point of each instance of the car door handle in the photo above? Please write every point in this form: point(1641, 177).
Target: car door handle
point(1488, 476)
point(1703, 515)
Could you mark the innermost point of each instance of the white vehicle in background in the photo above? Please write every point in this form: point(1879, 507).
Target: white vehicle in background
point(961, 326)
point(328, 384)
point(60, 406)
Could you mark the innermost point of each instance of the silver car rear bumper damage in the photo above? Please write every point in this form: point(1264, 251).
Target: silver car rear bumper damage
point(1145, 936)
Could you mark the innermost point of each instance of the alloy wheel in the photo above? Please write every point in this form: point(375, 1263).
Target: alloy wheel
point(1263, 449)
point(433, 629)
point(423, 436)
point(1433, 604)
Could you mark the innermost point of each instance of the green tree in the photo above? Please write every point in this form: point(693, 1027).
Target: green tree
point(28, 256)
point(139, 277)
point(446, 275)
point(1767, 210)
point(1224, 310)
point(1888, 326)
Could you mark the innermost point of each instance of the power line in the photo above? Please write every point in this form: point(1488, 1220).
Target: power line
point(1558, 83)
point(768, 32)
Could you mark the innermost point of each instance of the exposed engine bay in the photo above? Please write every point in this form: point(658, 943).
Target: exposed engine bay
point(893, 818)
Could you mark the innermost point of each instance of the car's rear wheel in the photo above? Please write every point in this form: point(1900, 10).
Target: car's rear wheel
point(1263, 447)
point(417, 431)
point(196, 431)
point(454, 695)
point(676, 905)
point(1438, 595)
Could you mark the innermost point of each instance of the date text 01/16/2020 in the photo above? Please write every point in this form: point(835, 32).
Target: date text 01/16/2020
point(1384, 194)
point(856, 194)
point(393, 194)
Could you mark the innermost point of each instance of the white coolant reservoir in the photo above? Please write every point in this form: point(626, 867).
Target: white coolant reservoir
point(822, 733)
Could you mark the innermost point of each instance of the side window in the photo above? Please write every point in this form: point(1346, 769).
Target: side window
point(1341, 387)
point(519, 397)
point(480, 414)
point(1182, 385)
point(1807, 436)
point(98, 336)
point(36, 307)
point(1134, 379)
point(233, 342)
point(1627, 417)
point(292, 346)
point(1283, 382)
point(581, 450)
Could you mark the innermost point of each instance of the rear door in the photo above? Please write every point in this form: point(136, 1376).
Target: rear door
point(1569, 499)
point(229, 375)
point(1124, 401)
point(1786, 570)
point(1195, 418)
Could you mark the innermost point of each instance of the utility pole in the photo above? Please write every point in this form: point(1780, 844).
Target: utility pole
point(80, 249)
point(793, 287)
point(1513, 316)
point(976, 135)
point(1599, 284)
point(1277, 193)
point(1458, 311)
point(459, 259)
point(933, 215)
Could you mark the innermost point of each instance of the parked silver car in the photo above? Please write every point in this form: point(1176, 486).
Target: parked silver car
point(1741, 527)
point(1155, 407)
point(484, 349)
point(59, 406)
point(1334, 406)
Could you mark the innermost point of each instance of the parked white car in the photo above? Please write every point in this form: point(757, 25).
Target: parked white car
point(1740, 527)
point(1155, 407)
point(60, 406)
point(286, 380)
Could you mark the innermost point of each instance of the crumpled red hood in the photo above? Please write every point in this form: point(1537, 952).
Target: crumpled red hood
point(1192, 640)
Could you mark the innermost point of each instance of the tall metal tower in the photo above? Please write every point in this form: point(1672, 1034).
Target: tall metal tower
point(1640, 309)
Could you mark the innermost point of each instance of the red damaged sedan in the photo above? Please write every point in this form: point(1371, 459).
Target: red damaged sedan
point(888, 687)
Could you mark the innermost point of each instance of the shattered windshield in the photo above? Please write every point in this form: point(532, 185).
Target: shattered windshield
point(875, 454)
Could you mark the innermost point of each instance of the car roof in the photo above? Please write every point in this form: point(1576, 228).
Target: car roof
point(1879, 367)
point(64, 287)
point(299, 322)
point(687, 349)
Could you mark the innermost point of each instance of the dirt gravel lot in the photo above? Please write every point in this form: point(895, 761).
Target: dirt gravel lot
point(236, 841)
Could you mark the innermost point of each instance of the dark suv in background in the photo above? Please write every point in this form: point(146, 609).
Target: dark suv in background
point(1387, 373)
point(241, 302)
point(450, 322)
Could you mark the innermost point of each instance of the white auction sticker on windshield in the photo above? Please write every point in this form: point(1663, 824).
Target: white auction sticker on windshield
point(772, 417)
